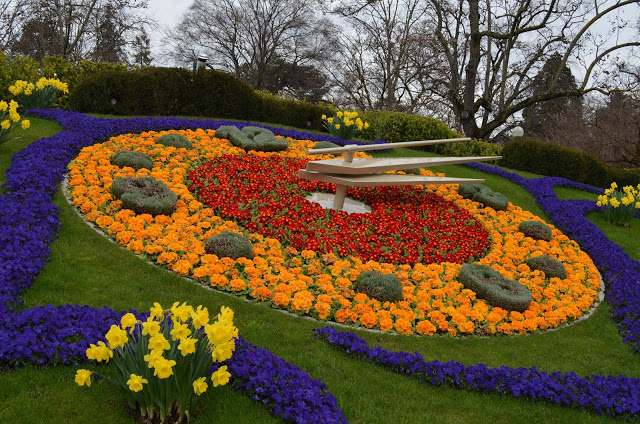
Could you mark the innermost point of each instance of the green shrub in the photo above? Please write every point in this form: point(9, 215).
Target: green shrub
point(376, 285)
point(498, 291)
point(550, 266)
point(492, 199)
point(536, 230)
point(554, 161)
point(468, 148)
point(467, 191)
point(252, 138)
point(166, 92)
point(325, 145)
point(395, 127)
point(174, 140)
point(135, 160)
point(286, 111)
point(144, 195)
point(228, 244)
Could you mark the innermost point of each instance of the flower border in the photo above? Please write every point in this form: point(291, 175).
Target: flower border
point(49, 335)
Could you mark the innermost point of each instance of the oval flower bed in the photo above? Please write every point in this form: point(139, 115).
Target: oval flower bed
point(318, 283)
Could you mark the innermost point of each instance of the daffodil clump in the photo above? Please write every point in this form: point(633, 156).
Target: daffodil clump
point(619, 206)
point(9, 118)
point(40, 95)
point(162, 364)
point(344, 124)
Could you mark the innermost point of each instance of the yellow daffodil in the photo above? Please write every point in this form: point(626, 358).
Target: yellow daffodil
point(157, 311)
point(163, 368)
point(153, 357)
point(158, 342)
point(187, 346)
point(116, 337)
point(25, 124)
point(5, 125)
point(223, 351)
point(181, 312)
point(3, 106)
point(150, 327)
point(200, 386)
point(99, 353)
point(221, 376)
point(83, 377)
point(135, 382)
point(128, 321)
point(200, 317)
point(180, 331)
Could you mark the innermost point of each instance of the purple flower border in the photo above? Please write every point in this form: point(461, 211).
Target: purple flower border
point(620, 273)
point(615, 396)
point(49, 335)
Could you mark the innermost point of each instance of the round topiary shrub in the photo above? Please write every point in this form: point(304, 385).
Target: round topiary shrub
point(252, 138)
point(467, 191)
point(325, 145)
point(135, 160)
point(498, 291)
point(376, 285)
point(536, 230)
point(144, 195)
point(492, 199)
point(550, 266)
point(228, 244)
point(174, 140)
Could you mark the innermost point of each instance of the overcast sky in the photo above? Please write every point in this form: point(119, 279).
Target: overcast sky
point(167, 13)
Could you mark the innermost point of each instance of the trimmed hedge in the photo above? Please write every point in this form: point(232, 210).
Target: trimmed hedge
point(497, 290)
point(144, 195)
point(135, 160)
point(228, 244)
point(396, 127)
point(376, 285)
point(557, 161)
point(536, 230)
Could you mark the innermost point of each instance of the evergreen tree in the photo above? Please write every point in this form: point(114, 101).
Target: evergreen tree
point(541, 119)
point(109, 40)
point(142, 49)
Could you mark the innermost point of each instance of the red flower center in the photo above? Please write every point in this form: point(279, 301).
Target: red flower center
point(406, 224)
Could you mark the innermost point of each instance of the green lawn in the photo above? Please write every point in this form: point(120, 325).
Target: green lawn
point(86, 268)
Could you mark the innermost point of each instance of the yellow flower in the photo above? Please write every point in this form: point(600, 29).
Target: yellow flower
point(5, 125)
point(220, 377)
point(615, 203)
point(162, 368)
point(135, 382)
point(181, 313)
point(614, 185)
point(150, 327)
point(330, 120)
point(158, 342)
point(15, 117)
point(339, 114)
point(223, 351)
point(219, 333)
point(200, 317)
point(15, 90)
point(638, 205)
point(226, 315)
point(157, 311)
point(13, 105)
point(153, 357)
point(366, 125)
point(324, 117)
point(200, 386)
point(187, 346)
point(128, 321)
point(180, 331)
point(116, 337)
point(83, 377)
point(3, 106)
point(99, 353)
point(26, 124)
point(337, 126)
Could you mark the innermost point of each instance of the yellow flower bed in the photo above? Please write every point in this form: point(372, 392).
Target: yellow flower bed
point(320, 285)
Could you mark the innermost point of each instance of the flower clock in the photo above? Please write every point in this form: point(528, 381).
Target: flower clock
point(306, 259)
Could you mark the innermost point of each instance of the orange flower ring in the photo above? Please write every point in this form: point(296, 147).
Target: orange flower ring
point(310, 282)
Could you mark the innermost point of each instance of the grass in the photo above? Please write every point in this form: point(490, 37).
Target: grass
point(86, 268)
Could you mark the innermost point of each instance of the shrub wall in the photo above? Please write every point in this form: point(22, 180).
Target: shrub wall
point(396, 127)
point(557, 161)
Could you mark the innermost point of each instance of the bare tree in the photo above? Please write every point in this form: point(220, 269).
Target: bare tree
point(77, 29)
point(382, 57)
point(248, 37)
point(490, 51)
point(13, 14)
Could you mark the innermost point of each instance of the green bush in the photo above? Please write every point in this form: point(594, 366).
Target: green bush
point(174, 140)
point(325, 145)
point(376, 285)
point(536, 230)
point(550, 266)
point(296, 113)
point(166, 92)
point(395, 127)
point(482, 194)
point(252, 138)
point(554, 161)
point(498, 291)
point(467, 191)
point(468, 148)
point(144, 195)
point(135, 160)
point(228, 244)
